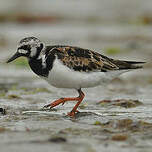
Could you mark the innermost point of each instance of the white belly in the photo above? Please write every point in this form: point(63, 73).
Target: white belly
point(63, 77)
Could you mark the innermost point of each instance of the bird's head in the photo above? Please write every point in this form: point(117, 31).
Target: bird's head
point(29, 47)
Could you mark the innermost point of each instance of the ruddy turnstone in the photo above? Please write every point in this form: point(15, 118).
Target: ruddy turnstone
point(70, 67)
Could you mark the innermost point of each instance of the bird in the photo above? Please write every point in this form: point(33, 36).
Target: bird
point(64, 66)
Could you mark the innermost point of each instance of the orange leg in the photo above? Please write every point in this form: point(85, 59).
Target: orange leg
point(63, 100)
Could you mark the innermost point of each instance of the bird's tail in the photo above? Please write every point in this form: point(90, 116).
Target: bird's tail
point(124, 65)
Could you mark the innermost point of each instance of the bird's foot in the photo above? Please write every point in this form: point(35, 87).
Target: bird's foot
point(61, 101)
point(55, 103)
point(72, 113)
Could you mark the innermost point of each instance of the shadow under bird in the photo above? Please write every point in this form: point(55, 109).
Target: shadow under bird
point(71, 67)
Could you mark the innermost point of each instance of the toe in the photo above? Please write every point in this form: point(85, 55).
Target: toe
point(71, 114)
point(46, 106)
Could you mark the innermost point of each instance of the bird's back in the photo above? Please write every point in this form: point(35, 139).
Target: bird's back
point(85, 60)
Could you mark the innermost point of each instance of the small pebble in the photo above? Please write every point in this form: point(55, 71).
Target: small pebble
point(119, 137)
point(2, 111)
point(57, 139)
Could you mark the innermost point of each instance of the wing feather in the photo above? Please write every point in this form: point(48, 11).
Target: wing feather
point(85, 60)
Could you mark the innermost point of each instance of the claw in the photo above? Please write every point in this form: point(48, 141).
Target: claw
point(77, 111)
point(63, 103)
point(46, 106)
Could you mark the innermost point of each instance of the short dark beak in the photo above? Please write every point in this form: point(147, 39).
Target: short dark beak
point(15, 56)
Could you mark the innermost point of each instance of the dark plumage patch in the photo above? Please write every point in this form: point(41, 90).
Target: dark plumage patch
point(92, 65)
point(97, 58)
point(36, 66)
point(25, 47)
point(79, 52)
point(71, 52)
point(84, 60)
point(76, 58)
point(27, 39)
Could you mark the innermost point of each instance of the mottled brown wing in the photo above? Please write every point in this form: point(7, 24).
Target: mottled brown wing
point(84, 60)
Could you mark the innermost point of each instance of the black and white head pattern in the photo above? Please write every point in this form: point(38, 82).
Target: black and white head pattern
point(30, 47)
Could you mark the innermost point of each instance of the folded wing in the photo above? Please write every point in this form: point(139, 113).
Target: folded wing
point(85, 60)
